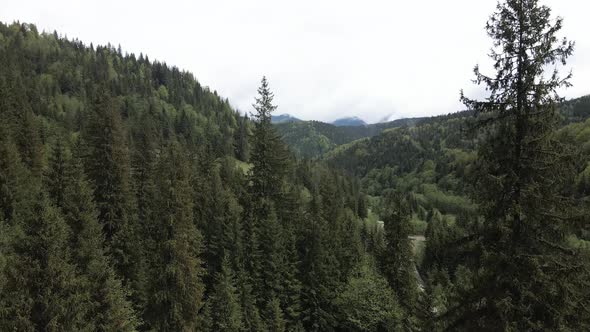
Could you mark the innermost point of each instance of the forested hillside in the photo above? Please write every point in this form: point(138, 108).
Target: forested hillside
point(313, 139)
point(133, 198)
point(433, 161)
point(500, 191)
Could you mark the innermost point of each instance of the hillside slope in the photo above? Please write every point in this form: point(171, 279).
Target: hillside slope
point(312, 139)
point(433, 159)
point(123, 205)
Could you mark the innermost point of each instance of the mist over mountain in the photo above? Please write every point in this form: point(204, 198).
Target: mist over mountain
point(352, 121)
point(284, 118)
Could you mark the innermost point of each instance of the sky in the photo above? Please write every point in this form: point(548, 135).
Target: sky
point(324, 59)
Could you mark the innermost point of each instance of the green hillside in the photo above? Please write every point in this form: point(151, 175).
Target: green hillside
point(313, 139)
point(132, 198)
point(433, 159)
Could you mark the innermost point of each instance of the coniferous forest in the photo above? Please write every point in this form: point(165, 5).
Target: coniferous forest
point(133, 198)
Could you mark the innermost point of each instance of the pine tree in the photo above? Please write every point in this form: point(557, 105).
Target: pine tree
point(272, 259)
point(176, 288)
point(14, 179)
point(218, 218)
point(103, 291)
point(223, 303)
point(107, 163)
point(269, 154)
point(367, 302)
point(251, 319)
point(56, 177)
point(528, 278)
point(362, 210)
point(318, 275)
point(275, 319)
point(396, 260)
point(263, 233)
point(242, 148)
point(17, 109)
point(437, 233)
point(42, 286)
point(290, 296)
point(290, 211)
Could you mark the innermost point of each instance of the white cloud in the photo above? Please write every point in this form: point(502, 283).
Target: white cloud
point(324, 59)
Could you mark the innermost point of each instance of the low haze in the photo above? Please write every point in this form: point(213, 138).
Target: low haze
point(324, 59)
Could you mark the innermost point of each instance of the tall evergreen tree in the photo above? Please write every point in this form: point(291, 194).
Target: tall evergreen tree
point(223, 307)
point(108, 167)
point(528, 278)
point(109, 309)
point(262, 231)
point(42, 285)
point(15, 180)
point(251, 319)
point(317, 271)
point(396, 260)
point(107, 163)
point(269, 154)
point(176, 287)
point(275, 319)
point(367, 302)
point(242, 148)
point(271, 247)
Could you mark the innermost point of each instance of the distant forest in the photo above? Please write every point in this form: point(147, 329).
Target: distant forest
point(132, 198)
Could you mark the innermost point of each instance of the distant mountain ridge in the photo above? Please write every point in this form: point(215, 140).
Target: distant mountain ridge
point(313, 139)
point(352, 121)
point(284, 118)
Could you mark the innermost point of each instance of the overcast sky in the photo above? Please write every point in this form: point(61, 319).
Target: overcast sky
point(324, 59)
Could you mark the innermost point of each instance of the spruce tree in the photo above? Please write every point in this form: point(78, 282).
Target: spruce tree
point(218, 218)
point(107, 165)
point(251, 319)
point(42, 287)
point(103, 291)
point(269, 154)
point(317, 271)
point(437, 233)
point(14, 178)
point(272, 259)
point(223, 304)
point(396, 260)
point(275, 320)
point(367, 302)
point(262, 230)
point(176, 289)
point(242, 148)
point(528, 277)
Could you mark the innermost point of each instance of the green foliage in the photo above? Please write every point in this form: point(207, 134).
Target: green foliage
point(133, 198)
point(396, 260)
point(71, 192)
point(176, 289)
point(313, 139)
point(269, 155)
point(528, 278)
point(223, 309)
point(367, 303)
point(42, 285)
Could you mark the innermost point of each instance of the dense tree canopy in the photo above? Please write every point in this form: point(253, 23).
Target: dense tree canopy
point(133, 198)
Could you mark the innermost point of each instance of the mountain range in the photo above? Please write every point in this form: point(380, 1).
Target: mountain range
point(352, 121)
